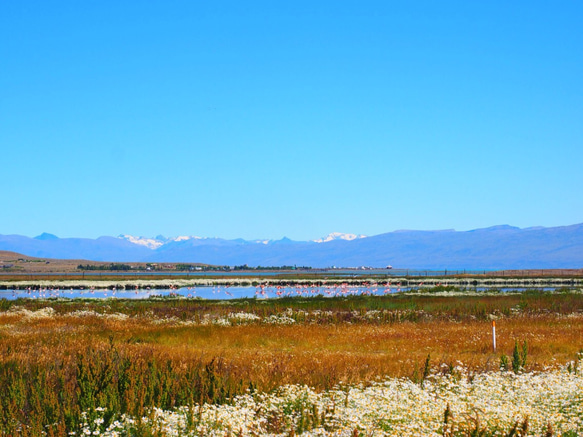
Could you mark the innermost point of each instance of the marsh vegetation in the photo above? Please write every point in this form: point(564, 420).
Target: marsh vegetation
point(175, 366)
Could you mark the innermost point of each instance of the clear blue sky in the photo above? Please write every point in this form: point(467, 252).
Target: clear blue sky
point(263, 120)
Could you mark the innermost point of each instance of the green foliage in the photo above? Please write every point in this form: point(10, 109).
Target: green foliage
point(426, 370)
point(519, 357)
point(504, 365)
point(5, 304)
point(105, 267)
point(448, 428)
point(63, 395)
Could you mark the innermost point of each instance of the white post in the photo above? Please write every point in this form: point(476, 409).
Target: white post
point(494, 334)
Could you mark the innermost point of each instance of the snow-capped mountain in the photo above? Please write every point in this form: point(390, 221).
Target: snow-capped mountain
point(150, 243)
point(496, 247)
point(338, 236)
point(156, 242)
point(160, 240)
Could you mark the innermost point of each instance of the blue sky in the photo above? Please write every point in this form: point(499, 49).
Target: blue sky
point(262, 120)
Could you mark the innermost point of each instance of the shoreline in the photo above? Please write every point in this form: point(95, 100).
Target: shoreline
point(393, 282)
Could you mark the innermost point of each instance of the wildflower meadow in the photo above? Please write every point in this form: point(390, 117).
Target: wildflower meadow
point(402, 364)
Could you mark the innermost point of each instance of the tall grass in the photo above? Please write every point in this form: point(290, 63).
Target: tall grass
point(60, 359)
point(50, 396)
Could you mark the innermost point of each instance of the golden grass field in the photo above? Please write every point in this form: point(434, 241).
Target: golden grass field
point(60, 358)
point(320, 355)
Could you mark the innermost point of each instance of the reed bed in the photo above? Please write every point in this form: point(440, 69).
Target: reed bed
point(68, 366)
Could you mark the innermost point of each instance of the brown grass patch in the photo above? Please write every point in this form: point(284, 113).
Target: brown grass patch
point(56, 364)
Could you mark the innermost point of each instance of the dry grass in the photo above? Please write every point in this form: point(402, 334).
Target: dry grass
point(318, 355)
point(160, 353)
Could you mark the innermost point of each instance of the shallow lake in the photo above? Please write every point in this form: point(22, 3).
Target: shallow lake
point(229, 292)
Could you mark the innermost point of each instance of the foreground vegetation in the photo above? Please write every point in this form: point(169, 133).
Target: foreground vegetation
point(179, 366)
point(454, 403)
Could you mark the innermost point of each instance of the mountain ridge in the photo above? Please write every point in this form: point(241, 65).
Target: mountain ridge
point(495, 247)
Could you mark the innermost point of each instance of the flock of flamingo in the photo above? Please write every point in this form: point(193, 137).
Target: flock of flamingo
point(263, 291)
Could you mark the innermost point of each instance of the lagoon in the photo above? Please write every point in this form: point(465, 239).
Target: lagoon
point(221, 292)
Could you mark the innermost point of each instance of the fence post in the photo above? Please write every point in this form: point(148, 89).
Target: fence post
point(494, 334)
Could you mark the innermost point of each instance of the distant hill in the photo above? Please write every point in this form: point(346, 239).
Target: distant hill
point(6, 255)
point(497, 247)
point(100, 249)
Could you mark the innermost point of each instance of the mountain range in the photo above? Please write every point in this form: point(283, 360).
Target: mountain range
point(497, 247)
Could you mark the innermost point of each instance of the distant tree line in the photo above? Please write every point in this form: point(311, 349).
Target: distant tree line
point(183, 267)
point(108, 267)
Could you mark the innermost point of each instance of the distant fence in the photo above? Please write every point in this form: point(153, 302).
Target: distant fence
point(372, 272)
point(448, 272)
point(451, 272)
